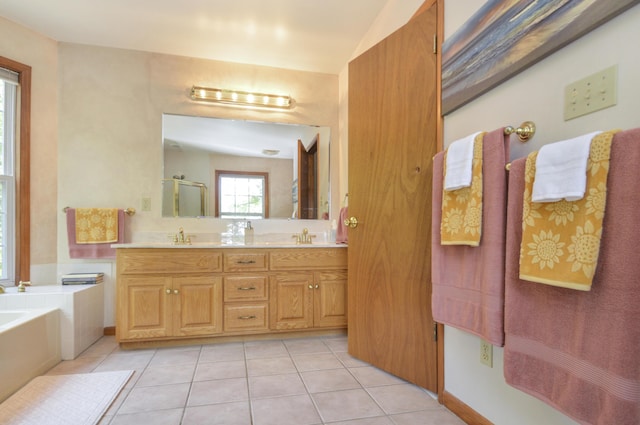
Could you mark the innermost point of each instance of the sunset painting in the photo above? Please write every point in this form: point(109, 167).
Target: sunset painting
point(505, 37)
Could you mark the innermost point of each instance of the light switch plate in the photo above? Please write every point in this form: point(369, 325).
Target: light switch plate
point(146, 204)
point(592, 93)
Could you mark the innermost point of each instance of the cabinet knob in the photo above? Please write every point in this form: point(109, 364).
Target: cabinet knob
point(310, 286)
point(175, 291)
point(168, 291)
point(317, 286)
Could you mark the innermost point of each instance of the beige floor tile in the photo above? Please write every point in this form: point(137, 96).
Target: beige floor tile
point(162, 375)
point(270, 366)
point(127, 361)
point(380, 420)
point(220, 370)
point(349, 361)
point(337, 345)
point(306, 346)
point(329, 380)
point(264, 349)
point(370, 376)
point(218, 391)
point(158, 417)
point(78, 365)
point(222, 352)
point(104, 346)
point(346, 405)
point(321, 361)
point(237, 413)
point(173, 357)
point(439, 416)
point(276, 386)
point(292, 410)
point(147, 399)
point(402, 398)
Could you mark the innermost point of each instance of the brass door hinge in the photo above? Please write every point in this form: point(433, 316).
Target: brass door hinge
point(435, 331)
point(435, 44)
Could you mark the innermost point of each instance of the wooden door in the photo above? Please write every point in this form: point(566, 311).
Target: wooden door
point(197, 302)
point(291, 301)
point(392, 141)
point(330, 299)
point(308, 179)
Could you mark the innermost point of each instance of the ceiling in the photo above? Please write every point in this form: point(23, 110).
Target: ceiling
point(307, 35)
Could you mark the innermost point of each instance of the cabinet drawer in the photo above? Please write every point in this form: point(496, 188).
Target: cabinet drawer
point(246, 317)
point(168, 261)
point(308, 259)
point(245, 261)
point(245, 288)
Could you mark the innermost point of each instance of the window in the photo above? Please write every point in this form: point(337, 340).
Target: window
point(21, 172)
point(8, 104)
point(242, 194)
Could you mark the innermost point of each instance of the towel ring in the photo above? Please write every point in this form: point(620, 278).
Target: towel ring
point(525, 132)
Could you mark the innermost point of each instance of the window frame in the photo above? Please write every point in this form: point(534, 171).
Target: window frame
point(22, 170)
point(226, 173)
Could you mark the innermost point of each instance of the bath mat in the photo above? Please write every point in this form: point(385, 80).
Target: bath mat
point(80, 399)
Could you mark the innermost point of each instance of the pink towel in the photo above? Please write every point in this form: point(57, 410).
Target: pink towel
point(341, 231)
point(468, 282)
point(96, 250)
point(579, 351)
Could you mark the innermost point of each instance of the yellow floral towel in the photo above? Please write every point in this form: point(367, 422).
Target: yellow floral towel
point(96, 225)
point(462, 208)
point(561, 240)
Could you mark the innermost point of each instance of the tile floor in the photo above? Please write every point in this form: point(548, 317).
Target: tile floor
point(306, 381)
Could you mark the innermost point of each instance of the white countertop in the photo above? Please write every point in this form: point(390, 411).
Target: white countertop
point(227, 245)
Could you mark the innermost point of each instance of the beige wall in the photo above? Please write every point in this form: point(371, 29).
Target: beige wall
point(27, 47)
point(111, 105)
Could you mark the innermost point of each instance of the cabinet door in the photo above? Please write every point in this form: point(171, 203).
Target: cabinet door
point(330, 299)
point(197, 303)
point(291, 301)
point(143, 307)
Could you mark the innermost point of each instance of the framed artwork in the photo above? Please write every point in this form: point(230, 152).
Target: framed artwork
point(505, 37)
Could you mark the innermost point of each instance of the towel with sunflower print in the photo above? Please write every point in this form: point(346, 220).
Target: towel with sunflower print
point(462, 208)
point(561, 240)
point(96, 225)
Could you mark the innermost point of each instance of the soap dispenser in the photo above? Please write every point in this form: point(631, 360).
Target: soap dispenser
point(248, 234)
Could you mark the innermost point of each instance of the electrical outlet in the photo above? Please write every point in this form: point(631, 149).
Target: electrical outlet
point(486, 353)
point(146, 204)
point(592, 93)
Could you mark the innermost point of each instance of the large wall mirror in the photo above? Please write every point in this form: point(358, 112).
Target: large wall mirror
point(244, 169)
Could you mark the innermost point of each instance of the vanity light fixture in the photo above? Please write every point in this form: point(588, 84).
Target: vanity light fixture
point(241, 98)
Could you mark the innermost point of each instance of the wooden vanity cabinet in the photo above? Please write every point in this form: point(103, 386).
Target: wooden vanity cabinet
point(175, 293)
point(165, 295)
point(312, 293)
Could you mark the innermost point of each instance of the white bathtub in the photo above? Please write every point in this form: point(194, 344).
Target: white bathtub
point(29, 346)
point(81, 312)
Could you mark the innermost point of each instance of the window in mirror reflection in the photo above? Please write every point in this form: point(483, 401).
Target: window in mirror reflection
point(242, 194)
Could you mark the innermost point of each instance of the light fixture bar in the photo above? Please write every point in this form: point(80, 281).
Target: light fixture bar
point(241, 98)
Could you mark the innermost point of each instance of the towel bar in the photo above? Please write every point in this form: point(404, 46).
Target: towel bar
point(525, 132)
point(128, 211)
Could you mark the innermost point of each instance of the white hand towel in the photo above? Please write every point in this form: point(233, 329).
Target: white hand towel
point(459, 163)
point(561, 170)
